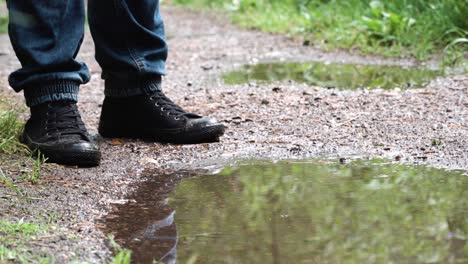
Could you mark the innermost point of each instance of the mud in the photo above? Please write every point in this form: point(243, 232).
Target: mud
point(280, 120)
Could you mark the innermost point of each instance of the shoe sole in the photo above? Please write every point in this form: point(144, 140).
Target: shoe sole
point(64, 156)
point(206, 134)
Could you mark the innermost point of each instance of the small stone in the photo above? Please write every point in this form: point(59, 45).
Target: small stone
point(207, 67)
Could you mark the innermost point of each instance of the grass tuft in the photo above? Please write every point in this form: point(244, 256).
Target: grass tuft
point(10, 131)
point(14, 237)
point(14, 154)
point(34, 175)
point(10, 184)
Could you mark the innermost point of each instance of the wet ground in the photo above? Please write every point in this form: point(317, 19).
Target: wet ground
point(297, 212)
point(279, 120)
point(334, 75)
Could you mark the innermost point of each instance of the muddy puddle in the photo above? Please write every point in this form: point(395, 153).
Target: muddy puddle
point(298, 212)
point(344, 76)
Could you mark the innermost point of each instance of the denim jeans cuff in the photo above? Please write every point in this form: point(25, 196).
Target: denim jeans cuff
point(52, 91)
point(131, 87)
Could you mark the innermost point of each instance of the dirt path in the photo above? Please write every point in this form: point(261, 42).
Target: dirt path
point(296, 121)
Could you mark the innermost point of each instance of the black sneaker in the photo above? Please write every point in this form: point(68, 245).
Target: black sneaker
point(155, 117)
point(56, 131)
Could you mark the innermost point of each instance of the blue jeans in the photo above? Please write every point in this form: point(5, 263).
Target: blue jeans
point(46, 36)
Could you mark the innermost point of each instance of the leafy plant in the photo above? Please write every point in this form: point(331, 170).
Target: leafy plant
point(452, 54)
point(396, 28)
point(121, 255)
point(384, 26)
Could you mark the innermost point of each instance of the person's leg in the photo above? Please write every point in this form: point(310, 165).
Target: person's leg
point(130, 44)
point(46, 36)
point(131, 49)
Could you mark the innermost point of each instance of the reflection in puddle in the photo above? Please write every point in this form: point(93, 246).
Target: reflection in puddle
point(345, 76)
point(298, 212)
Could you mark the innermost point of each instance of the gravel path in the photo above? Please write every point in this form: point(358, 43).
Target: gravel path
point(293, 121)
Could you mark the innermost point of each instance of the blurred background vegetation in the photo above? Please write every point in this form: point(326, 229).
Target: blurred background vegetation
point(395, 28)
point(3, 24)
point(319, 212)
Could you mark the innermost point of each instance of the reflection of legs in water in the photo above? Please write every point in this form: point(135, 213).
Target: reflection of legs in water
point(163, 235)
point(147, 226)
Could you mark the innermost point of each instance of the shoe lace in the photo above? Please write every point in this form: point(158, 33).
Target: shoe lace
point(167, 105)
point(63, 118)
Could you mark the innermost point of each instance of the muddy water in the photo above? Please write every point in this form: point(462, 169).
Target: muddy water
point(298, 212)
point(345, 76)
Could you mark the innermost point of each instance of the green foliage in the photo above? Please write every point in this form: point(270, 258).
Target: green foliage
point(4, 179)
point(20, 228)
point(392, 28)
point(34, 175)
point(3, 24)
point(345, 76)
point(324, 213)
point(10, 130)
point(121, 255)
point(451, 56)
point(14, 237)
point(385, 26)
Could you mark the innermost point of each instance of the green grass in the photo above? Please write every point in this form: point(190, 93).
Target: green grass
point(121, 255)
point(10, 130)
point(34, 175)
point(12, 152)
point(9, 183)
point(15, 238)
point(396, 28)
